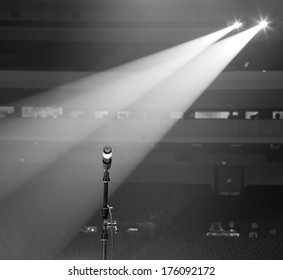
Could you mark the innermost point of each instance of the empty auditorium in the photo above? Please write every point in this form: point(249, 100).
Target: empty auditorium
point(141, 130)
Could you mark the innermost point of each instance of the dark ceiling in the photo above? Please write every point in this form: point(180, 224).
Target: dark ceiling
point(96, 35)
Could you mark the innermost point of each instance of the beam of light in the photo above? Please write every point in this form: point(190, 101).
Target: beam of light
point(112, 90)
point(56, 199)
point(146, 72)
point(178, 92)
point(54, 203)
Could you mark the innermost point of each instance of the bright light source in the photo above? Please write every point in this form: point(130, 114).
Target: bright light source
point(263, 23)
point(180, 74)
point(237, 24)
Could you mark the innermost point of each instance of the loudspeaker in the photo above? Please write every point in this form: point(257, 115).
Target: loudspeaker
point(228, 179)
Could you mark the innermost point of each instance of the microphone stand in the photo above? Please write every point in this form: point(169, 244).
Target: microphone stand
point(106, 209)
point(105, 214)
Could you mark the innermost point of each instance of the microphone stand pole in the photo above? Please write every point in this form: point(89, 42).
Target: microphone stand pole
point(105, 214)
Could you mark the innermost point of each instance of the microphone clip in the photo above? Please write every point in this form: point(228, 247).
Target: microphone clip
point(106, 177)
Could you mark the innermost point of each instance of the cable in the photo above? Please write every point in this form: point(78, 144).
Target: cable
point(112, 232)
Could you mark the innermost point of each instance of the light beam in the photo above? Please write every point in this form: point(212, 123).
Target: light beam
point(55, 200)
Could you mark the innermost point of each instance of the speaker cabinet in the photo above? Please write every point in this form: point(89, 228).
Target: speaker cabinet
point(228, 179)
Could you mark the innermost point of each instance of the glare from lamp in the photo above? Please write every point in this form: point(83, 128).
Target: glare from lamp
point(263, 24)
point(237, 24)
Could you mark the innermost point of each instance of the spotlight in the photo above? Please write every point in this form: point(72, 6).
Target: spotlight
point(237, 24)
point(263, 24)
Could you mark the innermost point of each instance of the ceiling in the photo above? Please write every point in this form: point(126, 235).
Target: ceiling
point(79, 35)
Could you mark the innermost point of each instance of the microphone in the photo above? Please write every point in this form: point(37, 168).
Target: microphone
point(107, 158)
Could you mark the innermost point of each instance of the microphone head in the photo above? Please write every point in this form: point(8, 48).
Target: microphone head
point(107, 157)
point(107, 152)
